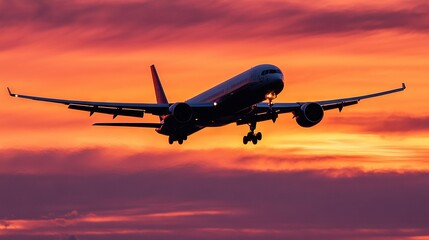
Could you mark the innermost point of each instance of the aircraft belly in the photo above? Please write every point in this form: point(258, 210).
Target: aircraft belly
point(172, 128)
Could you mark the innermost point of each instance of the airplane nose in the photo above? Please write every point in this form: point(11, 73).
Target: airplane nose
point(276, 78)
point(276, 82)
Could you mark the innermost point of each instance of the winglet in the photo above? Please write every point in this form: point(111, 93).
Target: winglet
point(403, 86)
point(11, 94)
point(159, 91)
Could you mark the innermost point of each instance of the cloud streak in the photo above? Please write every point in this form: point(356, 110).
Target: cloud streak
point(116, 160)
point(391, 124)
point(156, 22)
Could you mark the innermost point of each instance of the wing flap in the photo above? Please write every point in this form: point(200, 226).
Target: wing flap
point(140, 125)
point(339, 105)
point(108, 110)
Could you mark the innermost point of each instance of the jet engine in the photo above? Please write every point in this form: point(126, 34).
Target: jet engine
point(182, 112)
point(309, 115)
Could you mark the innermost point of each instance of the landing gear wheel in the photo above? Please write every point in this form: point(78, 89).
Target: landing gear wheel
point(173, 138)
point(259, 136)
point(251, 136)
point(245, 140)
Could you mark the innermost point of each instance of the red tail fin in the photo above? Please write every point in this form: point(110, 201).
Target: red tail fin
point(159, 91)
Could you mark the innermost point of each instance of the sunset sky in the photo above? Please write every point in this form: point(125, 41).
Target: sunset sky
point(359, 174)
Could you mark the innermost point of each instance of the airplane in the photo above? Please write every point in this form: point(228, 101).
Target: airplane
point(241, 100)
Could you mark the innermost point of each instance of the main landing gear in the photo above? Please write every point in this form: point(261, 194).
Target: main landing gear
point(251, 136)
point(172, 139)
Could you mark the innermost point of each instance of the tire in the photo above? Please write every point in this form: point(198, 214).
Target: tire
point(245, 140)
point(254, 141)
point(259, 136)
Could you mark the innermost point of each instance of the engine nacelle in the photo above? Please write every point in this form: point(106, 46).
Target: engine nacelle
point(182, 112)
point(309, 115)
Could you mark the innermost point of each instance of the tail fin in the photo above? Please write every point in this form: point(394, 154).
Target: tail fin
point(159, 91)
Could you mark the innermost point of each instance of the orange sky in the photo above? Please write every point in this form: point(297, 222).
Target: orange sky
point(312, 72)
point(89, 50)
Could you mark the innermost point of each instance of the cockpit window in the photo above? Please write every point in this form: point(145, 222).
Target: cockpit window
point(265, 72)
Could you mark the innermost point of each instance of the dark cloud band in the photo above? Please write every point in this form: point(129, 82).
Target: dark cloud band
point(192, 202)
point(155, 22)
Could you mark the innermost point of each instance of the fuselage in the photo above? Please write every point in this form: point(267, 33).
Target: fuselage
point(234, 98)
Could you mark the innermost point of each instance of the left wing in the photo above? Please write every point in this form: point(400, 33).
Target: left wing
point(265, 108)
point(113, 108)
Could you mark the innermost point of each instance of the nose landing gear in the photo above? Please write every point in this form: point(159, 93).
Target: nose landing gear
point(251, 136)
point(270, 97)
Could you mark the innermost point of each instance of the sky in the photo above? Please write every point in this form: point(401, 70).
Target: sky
point(359, 174)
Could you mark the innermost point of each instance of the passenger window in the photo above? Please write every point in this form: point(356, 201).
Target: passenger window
point(265, 72)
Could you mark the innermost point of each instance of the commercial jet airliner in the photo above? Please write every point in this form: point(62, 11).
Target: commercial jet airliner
point(238, 100)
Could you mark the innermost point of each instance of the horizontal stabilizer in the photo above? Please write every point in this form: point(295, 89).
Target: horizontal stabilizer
point(142, 125)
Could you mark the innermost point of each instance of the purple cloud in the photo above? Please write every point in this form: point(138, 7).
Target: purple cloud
point(155, 22)
point(191, 202)
point(391, 124)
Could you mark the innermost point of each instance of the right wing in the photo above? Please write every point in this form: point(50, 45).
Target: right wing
point(326, 104)
point(343, 102)
point(266, 112)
